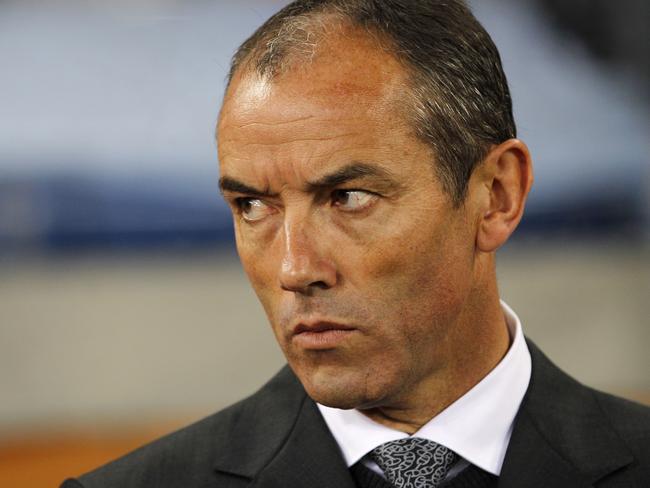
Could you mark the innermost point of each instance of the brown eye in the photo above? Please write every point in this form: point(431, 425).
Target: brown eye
point(352, 200)
point(253, 209)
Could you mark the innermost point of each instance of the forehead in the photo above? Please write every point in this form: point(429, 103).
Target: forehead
point(341, 105)
point(348, 76)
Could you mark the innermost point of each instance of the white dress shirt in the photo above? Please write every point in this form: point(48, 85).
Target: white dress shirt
point(477, 426)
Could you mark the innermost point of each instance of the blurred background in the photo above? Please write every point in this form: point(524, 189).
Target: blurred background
point(124, 312)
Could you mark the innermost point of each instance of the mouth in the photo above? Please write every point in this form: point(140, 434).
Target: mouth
point(320, 335)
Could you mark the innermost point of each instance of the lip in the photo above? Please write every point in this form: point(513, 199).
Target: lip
point(320, 335)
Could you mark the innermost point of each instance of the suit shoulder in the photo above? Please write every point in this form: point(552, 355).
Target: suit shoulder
point(169, 460)
point(630, 419)
point(631, 423)
point(185, 457)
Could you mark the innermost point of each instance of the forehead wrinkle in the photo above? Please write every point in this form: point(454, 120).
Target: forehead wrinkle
point(300, 139)
point(273, 124)
point(282, 110)
point(279, 176)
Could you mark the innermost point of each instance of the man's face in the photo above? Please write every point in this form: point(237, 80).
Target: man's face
point(360, 260)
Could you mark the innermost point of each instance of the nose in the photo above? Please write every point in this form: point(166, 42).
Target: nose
point(304, 268)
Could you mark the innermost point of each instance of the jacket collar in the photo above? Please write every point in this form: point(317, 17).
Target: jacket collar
point(561, 437)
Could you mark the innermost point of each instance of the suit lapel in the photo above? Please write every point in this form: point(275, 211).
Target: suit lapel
point(278, 439)
point(309, 457)
point(560, 437)
point(532, 463)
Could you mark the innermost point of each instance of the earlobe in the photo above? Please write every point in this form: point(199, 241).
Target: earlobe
point(507, 176)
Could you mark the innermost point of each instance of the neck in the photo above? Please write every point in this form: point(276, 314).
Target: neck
point(477, 342)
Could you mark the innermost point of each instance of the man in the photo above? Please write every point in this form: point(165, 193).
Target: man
point(368, 153)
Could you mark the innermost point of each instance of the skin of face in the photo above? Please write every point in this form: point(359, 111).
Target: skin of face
point(370, 277)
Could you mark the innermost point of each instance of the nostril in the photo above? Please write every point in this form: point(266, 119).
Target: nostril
point(320, 284)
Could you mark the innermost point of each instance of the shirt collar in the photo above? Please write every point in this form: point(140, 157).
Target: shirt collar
point(477, 426)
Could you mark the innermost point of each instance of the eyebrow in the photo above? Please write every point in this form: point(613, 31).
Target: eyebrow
point(227, 183)
point(350, 172)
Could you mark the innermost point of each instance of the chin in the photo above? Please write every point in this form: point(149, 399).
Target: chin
point(336, 398)
point(342, 389)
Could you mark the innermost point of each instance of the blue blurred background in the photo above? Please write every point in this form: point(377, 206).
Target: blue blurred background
point(121, 298)
point(108, 110)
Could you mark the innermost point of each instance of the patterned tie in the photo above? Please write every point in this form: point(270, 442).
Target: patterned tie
point(414, 462)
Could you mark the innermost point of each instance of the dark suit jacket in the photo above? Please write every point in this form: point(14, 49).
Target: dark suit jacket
point(565, 435)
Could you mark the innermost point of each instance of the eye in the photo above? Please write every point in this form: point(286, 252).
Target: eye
point(353, 200)
point(253, 209)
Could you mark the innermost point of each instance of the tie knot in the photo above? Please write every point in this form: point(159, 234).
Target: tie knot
point(414, 462)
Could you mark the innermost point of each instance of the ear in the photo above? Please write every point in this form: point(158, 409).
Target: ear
point(505, 179)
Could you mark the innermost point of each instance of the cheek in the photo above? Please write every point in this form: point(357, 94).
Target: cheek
point(261, 259)
point(421, 277)
point(256, 264)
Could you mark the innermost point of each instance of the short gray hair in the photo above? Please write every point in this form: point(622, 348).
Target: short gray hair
point(461, 104)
